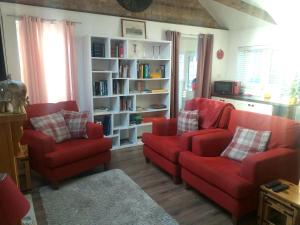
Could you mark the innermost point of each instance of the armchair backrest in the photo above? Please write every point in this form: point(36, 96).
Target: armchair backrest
point(43, 109)
point(285, 132)
point(212, 113)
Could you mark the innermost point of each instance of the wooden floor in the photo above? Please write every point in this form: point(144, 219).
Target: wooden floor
point(186, 206)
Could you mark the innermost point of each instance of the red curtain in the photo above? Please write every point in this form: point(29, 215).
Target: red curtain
point(175, 38)
point(204, 67)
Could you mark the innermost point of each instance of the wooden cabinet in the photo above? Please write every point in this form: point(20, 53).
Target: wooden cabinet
point(282, 208)
point(10, 135)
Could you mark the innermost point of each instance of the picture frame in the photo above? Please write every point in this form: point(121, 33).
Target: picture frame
point(133, 28)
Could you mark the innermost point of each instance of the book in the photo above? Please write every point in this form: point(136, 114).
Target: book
point(163, 71)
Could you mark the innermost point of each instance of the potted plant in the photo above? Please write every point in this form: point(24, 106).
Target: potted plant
point(294, 92)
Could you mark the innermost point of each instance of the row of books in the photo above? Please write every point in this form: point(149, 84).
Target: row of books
point(118, 87)
point(106, 123)
point(100, 88)
point(124, 70)
point(126, 103)
point(98, 49)
point(144, 71)
point(117, 50)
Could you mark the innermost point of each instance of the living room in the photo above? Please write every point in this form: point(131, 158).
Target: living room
point(149, 112)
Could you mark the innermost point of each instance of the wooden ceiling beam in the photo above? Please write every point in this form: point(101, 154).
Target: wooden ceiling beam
point(248, 9)
point(187, 12)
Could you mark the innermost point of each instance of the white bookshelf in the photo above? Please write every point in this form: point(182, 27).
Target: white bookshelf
point(142, 93)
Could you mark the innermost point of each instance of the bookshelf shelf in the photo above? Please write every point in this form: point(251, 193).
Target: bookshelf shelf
point(121, 75)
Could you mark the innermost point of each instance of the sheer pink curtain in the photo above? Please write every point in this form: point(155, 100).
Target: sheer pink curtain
point(48, 59)
point(174, 98)
point(31, 58)
point(71, 61)
point(204, 67)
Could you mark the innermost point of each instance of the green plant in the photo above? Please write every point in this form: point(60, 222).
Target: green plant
point(295, 88)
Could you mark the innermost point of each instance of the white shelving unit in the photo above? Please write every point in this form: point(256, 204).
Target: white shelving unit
point(126, 87)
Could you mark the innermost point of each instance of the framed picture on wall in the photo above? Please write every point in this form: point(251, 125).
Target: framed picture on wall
point(133, 28)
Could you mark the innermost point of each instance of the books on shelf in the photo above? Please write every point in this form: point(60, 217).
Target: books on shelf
point(126, 103)
point(98, 49)
point(124, 70)
point(117, 50)
point(118, 87)
point(105, 121)
point(163, 71)
point(144, 71)
point(100, 88)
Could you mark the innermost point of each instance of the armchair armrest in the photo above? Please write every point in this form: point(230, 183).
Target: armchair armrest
point(270, 165)
point(187, 137)
point(164, 127)
point(39, 143)
point(211, 144)
point(94, 130)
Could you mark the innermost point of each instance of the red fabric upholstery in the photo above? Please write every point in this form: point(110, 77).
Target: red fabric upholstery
point(285, 132)
point(166, 144)
point(165, 164)
point(76, 150)
point(270, 165)
point(94, 131)
point(234, 185)
point(236, 208)
point(59, 161)
point(211, 144)
point(218, 171)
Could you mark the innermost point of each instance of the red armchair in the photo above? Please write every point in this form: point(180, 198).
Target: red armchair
point(163, 145)
point(234, 185)
point(57, 161)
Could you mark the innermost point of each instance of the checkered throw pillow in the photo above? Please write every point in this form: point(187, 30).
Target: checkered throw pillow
point(187, 121)
point(246, 142)
point(76, 122)
point(53, 125)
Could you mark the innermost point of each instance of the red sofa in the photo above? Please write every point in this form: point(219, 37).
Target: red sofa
point(71, 157)
point(163, 145)
point(234, 185)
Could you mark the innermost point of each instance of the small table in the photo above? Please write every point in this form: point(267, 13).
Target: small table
point(282, 208)
point(23, 160)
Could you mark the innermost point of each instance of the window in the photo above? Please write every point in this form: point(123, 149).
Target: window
point(187, 68)
point(262, 70)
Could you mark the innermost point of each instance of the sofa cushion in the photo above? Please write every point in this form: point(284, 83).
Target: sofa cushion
point(246, 142)
point(221, 172)
point(166, 146)
point(187, 121)
point(76, 122)
point(76, 150)
point(53, 125)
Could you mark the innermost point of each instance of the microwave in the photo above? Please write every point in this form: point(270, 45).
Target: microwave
point(223, 87)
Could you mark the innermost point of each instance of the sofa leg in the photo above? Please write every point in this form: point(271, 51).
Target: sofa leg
point(106, 166)
point(176, 179)
point(147, 160)
point(55, 185)
point(235, 220)
point(187, 186)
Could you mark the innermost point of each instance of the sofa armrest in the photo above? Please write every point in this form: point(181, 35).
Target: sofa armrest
point(270, 165)
point(211, 144)
point(164, 127)
point(187, 137)
point(37, 141)
point(94, 130)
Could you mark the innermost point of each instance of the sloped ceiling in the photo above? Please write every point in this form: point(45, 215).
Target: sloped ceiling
point(189, 12)
point(231, 16)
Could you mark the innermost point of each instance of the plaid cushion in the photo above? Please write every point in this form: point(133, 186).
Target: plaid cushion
point(187, 121)
point(246, 142)
point(53, 125)
point(76, 122)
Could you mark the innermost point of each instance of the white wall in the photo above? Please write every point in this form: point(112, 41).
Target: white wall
point(92, 24)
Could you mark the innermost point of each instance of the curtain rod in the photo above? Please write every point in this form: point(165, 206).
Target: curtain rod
point(50, 20)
